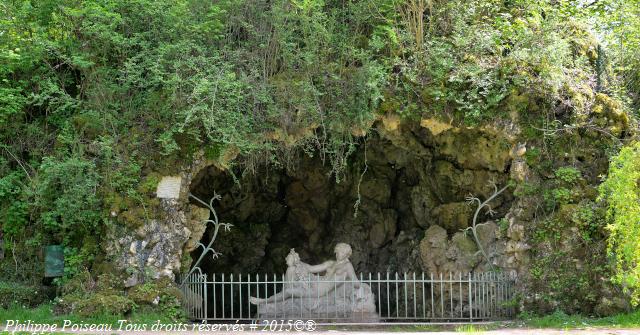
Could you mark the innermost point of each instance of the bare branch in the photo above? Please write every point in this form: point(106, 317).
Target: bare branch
point(566, 127)
point(19, 163)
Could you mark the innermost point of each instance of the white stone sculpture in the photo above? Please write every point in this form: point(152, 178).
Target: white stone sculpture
point(338, 294)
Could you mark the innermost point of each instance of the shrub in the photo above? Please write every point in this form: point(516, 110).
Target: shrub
point(621, 190)
point(91, 304)
point(163, 294)
point(12, 293)
point(568, 174)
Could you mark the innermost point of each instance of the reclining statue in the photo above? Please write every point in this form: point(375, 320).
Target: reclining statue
point(338, 294)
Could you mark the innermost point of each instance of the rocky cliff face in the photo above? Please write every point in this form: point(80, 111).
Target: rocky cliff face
point(400, 202)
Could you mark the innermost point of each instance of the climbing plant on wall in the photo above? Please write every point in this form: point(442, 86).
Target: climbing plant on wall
point(621, 190)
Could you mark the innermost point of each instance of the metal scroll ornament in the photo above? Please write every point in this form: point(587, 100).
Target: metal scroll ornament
point(216, 224)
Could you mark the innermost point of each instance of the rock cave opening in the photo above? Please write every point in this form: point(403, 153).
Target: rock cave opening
point(400, 204)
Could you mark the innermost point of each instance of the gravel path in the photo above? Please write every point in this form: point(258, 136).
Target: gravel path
point(345, 330)
point(502, 332)
point(387, 332)
point(382, 332)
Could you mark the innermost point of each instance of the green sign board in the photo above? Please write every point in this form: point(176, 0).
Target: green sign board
point(53, 261)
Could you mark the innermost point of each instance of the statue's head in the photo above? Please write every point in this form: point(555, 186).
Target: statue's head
point(343, 251)
point(292, 258)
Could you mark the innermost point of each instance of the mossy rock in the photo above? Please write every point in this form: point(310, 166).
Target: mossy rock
point(134, 217)
point(390, 105)
point(103, 266)
point(114, 202)
point(110, 283)
point(464, 243)
point(581, 97)
point(162, 295)
point(185, 262)
point(517, 103)
point(453, 216)
point(214, 151)
point(610, 114)
point(147, 294)
point(151, 293)
point(566, 212)
point(80, 283)
point(474, 149)
point(583, 43)
point(94, 304)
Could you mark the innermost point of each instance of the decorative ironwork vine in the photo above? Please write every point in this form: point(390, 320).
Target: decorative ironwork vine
point(216, 224)
point(482, 204)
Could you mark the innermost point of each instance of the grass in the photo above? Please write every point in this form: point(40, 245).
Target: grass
point(407, 328)
point(558, 320)
point(44, 314)
point(470, 329)
point(564, 321)
point(414, 328)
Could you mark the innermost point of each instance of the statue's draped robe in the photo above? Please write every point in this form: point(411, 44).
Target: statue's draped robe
point(342, 301)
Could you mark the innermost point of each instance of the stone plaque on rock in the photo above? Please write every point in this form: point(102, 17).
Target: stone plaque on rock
point(169, 187)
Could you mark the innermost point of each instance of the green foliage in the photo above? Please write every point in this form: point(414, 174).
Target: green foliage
point(503, 224)
point(12, 293)
point(45, 314)
point(620, 21)
point(551, 229)
point(164, 294)
point(84, 296)
point(569, 265)
point(77, 260)
point(574, 282)
point(470, 329)
point(561, 320)
point(565, 189)
point(622, 193)
point(588, 217)
point(14, 209)
point(561, 195)
point(568, 174)
point(488, 59)
point(99, 98)
point(95, 304)
point(66, 198)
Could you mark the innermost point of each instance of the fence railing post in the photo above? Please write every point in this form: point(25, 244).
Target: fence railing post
point(204, 299)
point(470, 301)
point(489, 297)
